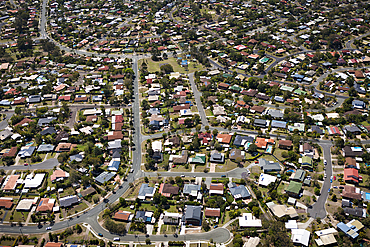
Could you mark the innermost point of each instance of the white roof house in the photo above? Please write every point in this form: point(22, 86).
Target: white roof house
point(33, 181)
point(266, 179)
point(300, 236)
point(26, 204)
point(157, 146)
point(248, 220)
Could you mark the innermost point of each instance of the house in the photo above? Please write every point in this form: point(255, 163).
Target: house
point(278, 124)
point(352, 151)
point(358, 104)
point(68, 201)
point(10, 152)
point(26, 151)
point(275, 113)
point(351, 129)
point(198, 159)
point(171, 218)
point(46, 148)
point(10, 182)
point(351, 163)
point(33, 181)
point(26, 204)
point(260, 123)
point(216, 189)
point(193, 215)
point(212, 212)
point(45, 121)
point(266, 179)
point(262, 142)
point(58, 174)
point(351, 175)
point(333, 130)
point(145, 216)
point(217, 158)
point(181, 159)
point(240, 192)
point(326, 237)
point(307, 163)
point(300, 237)
point(346, 203)
point(104, 177)
point(351, 229)
point(351, 192)
point(114, 135)
point(299, 175)
point(248, 220)
point(308, 150)
point(358, 212)
point(146, 191)
point(6, 202)
point(114, 165)
point(224, 138)
point(168, 190)
point(64, 147)
point(45, 204)
point(294, 189)
point(123, 216)
point(52, 244)
point(285, 144)
point(87, 192)
point(236, 154)
point(240, 140)
point(32, 99)
point(191, 189)
point(269, 166)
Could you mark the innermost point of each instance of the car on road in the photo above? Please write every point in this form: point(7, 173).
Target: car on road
point(182, 175)
point(223, 176)
point(48, 228)
point(116, 239)
point(26, 164)
point(325, 175)
point(100, 235)
point(331, 180)
point(329, 190)
point(325, 162)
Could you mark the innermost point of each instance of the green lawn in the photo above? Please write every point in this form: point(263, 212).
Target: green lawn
point(155, 66)
point(227, 166)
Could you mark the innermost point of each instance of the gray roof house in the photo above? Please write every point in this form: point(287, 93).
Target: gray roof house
point(278, 124)
point(26, 151)
point(358, 104)
point(268, 166)
point(275, 113)
point(217, 158)
point(45, 148)
point(48, 131)
point(104, 177)
point(260, 123)
point(76, 157)
point(240, 192)
point(191, 189)
point(193, 215)
point(242, 140)
point(68, 201)
point(5, 134)
point(146, 191)
point(45, 121)
point(34, 99)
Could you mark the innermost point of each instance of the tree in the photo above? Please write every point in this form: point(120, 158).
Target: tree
point(317, 191)
point(147, 241)
point(252, 148)
point(205, 225)
point(167, 68)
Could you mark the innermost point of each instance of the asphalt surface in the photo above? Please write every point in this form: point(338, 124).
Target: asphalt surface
point(4, 123)
point(318, 209)
point(197, 95)
point(45, 165)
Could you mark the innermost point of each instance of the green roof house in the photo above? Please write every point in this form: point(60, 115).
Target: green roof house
point(198, 159)
point(307, 163)
point(294, 189)
point(300, 92)
point(235, 89)
point(299, 175)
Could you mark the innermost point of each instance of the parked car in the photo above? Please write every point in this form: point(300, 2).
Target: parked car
point(48, 228)
point(100, 235)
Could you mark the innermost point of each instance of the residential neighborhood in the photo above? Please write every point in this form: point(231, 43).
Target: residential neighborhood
point(178, 123)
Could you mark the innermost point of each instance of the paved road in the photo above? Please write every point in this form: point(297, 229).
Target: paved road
point(318, 209)
point(235, 173)
point(197, 95)
point(45, 165)
point(4, 123)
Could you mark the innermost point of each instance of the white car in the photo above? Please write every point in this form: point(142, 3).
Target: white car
point(48, 228)
point(325, 162)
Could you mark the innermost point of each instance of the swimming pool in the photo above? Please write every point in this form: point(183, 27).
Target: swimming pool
point(29, 144)
point(269, 149)
point(290, 171)
point(367, 196)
